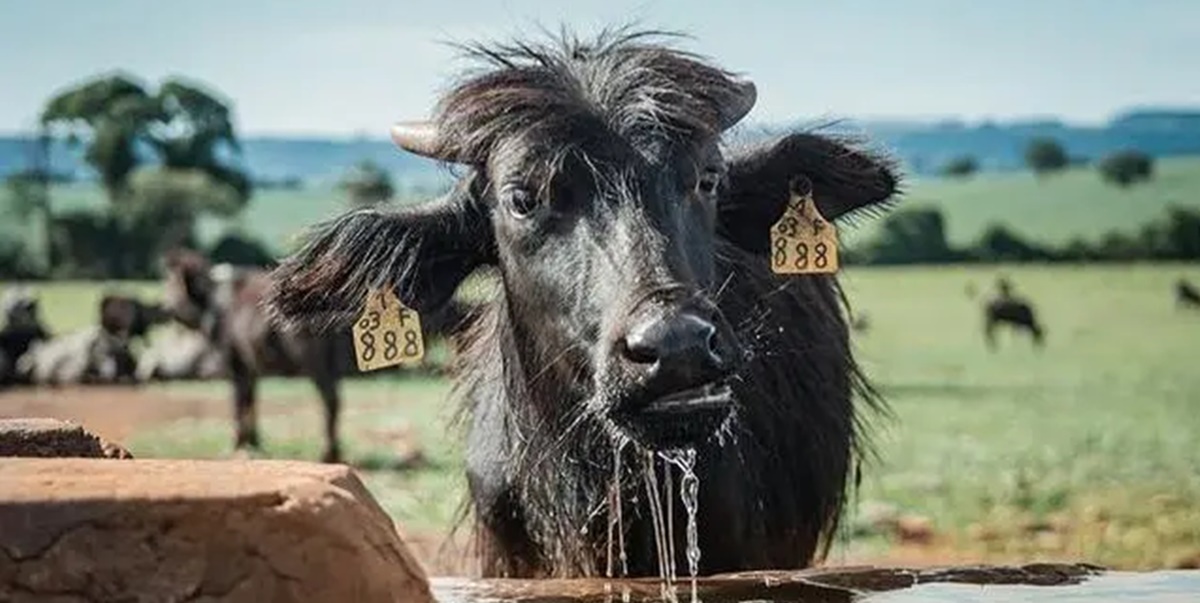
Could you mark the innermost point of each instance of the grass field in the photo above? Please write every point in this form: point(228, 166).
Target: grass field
point(1052, 210)
point(1084, 450)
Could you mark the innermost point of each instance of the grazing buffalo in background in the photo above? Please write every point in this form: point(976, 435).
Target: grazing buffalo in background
point(223, 306)
point(129, 317)
point(1186, 295)
point(635, 305)
point(90, 355)
point(97, 354)
point(222, 303)
point(21, 329)
point(1008, 308)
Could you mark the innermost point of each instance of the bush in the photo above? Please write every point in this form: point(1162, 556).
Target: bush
point(368, 184)
point(960, 167)
point(1044, 155)
point(1125, 168)
point(15, 261)
point(999, 244)
point(914, 235)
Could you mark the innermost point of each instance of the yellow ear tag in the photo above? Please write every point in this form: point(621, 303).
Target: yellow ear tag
point(803, 242)
point(387, 333)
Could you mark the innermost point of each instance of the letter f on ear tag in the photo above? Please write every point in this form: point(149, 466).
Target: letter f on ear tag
point(802, 241)
point(387, 333)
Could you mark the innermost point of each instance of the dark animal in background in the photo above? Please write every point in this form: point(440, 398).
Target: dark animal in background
point(1186, 295)
point(223, 304)
point(1009, 309)
point(98, 354)
point(635, 305)
point(129, 317)
point(87, 356)
point(21, 329)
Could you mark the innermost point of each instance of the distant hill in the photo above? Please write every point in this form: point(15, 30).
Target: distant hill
point(923, 147)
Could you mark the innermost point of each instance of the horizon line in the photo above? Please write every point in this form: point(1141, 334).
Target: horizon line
point(912, 119)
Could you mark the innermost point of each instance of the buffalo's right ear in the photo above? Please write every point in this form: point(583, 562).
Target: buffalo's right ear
point(424, 252)
point(845, 180)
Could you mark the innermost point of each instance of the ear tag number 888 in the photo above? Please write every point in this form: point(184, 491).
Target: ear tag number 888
point(803, 242)
point(387, 333)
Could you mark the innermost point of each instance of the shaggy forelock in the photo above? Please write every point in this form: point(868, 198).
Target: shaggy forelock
point(633, 84)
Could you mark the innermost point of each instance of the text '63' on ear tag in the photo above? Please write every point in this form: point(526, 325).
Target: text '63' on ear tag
point(387, 333)
point(803, 242)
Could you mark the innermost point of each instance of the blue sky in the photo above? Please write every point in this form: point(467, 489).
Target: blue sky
point(350, 67)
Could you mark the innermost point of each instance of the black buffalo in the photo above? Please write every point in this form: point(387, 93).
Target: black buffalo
point(635, 309)
point(1007, 308)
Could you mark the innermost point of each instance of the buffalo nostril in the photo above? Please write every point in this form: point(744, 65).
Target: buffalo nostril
point(639, 348)
point(713, 345)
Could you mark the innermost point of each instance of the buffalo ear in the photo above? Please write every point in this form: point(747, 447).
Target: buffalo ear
point(423, 252)
point(844, 181)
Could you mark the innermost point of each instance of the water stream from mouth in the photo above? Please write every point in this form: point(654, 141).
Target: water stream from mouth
point(615, 520)
point(660, 491)
point(689, 494)
point(654, 499)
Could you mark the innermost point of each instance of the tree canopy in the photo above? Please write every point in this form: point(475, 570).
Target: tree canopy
point(1044, 155)
point(124, 125)
point(368, 184)
point(1125, 168)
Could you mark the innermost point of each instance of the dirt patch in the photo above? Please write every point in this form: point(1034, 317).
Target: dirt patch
point(112, 412)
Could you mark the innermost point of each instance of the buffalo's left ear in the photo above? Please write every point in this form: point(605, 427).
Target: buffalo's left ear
point(422, 252)
point(844, 180)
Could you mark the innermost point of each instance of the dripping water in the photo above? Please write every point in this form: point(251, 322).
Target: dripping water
point(654, 498)
point(689, 494)
point(616, 522)
point(669, 507)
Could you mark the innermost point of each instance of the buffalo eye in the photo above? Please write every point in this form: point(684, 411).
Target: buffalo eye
point(709, 181)
point(519, 201)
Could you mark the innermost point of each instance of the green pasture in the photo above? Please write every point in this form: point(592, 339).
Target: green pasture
point(1084, 450)
point(1052, 209)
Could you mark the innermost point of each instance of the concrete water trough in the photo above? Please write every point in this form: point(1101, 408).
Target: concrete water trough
point(110, 528)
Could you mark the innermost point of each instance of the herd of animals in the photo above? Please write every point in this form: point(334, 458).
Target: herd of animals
point(637, 313)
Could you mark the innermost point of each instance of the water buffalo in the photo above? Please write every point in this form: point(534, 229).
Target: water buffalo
point(22, 329)
point(1186, 295)
point(90, 355)
point(130, 317)
point(223, 304)
point(97, 354)
point(636, 311)
point(1008, 308)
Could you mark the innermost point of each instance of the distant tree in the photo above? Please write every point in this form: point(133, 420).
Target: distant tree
point(368, 184)
point(999, 244)
point(1121, 247)
point(1125, 168)
point(185, 125)
point(962, 166)
point(1044, 155)
point(910, 236)
point(1177, 236)
point(1077, 250)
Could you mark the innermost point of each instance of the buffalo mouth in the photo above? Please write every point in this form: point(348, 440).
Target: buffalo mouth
point(678, 420)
